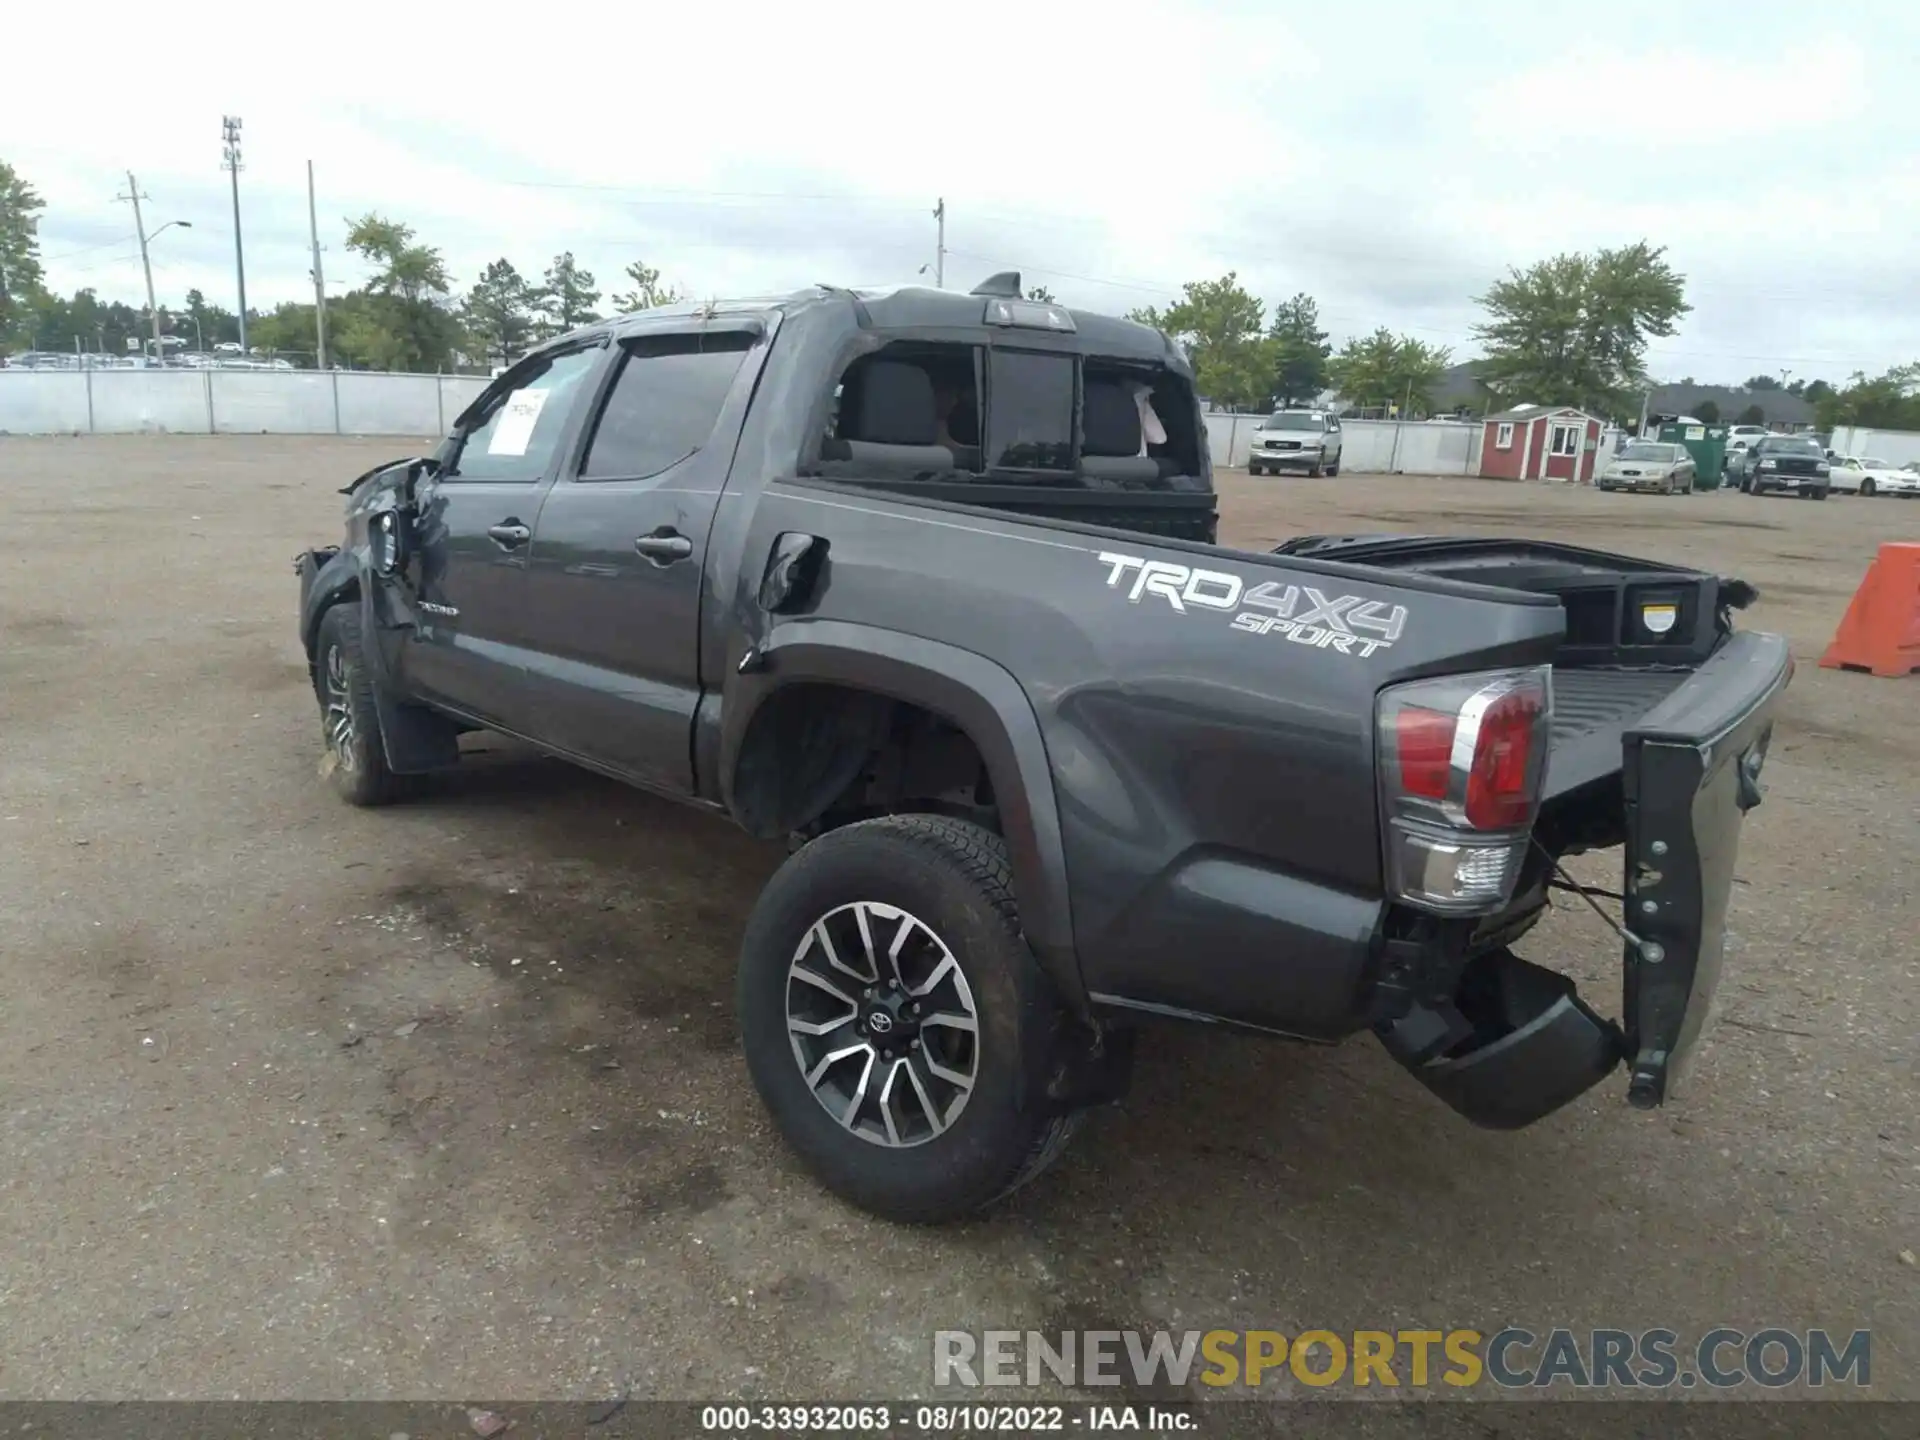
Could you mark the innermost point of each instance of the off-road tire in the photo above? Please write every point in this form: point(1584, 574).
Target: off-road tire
point(955, 877)
point(356, 763)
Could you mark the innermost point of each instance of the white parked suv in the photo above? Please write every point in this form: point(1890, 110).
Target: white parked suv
point(1296, 440)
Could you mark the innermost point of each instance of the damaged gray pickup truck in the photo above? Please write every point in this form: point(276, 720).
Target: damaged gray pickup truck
point(927, 584)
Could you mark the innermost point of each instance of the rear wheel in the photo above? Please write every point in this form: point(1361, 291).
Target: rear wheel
point(356, 755)
point(895, 1023)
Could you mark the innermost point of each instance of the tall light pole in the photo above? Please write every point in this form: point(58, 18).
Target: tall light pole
point(230, 162)
point(319, 280)
point(139, 228)
point(940, 246)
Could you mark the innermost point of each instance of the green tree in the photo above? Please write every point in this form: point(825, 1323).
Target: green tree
point(1763, 382)
point(1890, 401)
point(1220, 324)
point(1384, 369)
point(1752, 415)
point(647, 291)
point(1573, 330)
point(1040, 292)
point(406, 325)
point(286, 331)
point(20, 274)
point(498, 312)
point(1707, 411)
point(566, 299)
point(1299, 350)
point(1814, 391)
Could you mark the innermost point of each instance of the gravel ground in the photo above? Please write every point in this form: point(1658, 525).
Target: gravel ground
point(302, 1101)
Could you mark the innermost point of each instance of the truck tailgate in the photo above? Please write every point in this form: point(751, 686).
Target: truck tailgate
point(1691, 772)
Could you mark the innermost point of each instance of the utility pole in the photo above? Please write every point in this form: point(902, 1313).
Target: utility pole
point(940, 246)
point(319, 280)
point(140, 229)
point(230, 162)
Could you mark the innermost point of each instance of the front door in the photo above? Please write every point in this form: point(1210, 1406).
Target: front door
point(475, 529)
point(614, 581)
point(1564, 442)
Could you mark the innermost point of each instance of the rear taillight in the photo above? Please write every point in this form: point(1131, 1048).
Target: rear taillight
point(1462, 759)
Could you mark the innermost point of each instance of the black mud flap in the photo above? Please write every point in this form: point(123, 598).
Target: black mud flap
point(1692, 771)
point(1517, 1044)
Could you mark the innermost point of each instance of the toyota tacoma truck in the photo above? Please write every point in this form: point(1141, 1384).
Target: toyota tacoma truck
point(928, 586)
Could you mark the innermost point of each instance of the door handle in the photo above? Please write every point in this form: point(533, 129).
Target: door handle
point(510, 535)
point(664, 546)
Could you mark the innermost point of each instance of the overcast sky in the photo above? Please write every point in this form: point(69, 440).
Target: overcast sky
point(1389, 159)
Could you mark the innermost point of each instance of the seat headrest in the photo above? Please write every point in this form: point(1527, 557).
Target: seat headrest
point(1110, 419)
point(889, 402)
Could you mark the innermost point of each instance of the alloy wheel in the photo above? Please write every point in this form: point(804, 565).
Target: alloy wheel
point(337, 719)
point(883, 1024)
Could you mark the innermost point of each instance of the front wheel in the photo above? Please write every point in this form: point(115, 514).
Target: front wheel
point(895, 1023)
point(1866, 488)
point(1333, 469)
point(355, 761)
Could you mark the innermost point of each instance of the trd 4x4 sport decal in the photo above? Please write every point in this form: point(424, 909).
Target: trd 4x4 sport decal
point(1346, 624)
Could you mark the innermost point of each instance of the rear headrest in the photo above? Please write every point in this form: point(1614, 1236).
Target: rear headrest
point(889, 402)
point(1111, 419)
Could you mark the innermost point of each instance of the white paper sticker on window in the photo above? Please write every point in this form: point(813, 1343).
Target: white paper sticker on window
point(514, 429)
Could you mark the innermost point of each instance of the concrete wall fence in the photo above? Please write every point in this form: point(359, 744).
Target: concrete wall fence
point(230, 402)
point(358, 402)
point(1378, 447)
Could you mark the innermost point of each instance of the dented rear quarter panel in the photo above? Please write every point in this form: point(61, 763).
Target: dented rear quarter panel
point(1212, 772)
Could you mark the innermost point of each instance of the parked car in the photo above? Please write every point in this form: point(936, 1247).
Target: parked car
point(1792, 463)
point(1296, 440)
point(1653, 465)
point(1050, 761)
point(1752, 434)
point(1865, 475)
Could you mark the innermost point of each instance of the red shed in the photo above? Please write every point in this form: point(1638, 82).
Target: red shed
point(1540, 442)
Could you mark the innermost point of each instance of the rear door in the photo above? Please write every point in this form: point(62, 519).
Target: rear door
point(615, 575)
point(475, 529)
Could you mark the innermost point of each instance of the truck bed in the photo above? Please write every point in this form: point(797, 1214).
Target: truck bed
point(1592, 711)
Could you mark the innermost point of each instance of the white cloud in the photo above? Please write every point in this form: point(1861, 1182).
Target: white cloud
point(1588, 105)
point(1392, 168)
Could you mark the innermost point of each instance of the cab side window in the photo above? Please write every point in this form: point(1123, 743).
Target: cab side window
point(665, 403)
point(521, 420)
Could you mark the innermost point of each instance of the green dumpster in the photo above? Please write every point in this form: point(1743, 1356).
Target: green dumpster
point(1708, 446)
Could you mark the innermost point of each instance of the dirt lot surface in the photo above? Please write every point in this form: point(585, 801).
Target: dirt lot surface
point(302, 1101)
